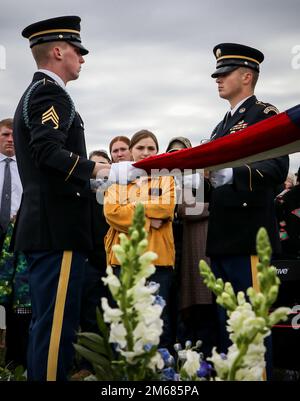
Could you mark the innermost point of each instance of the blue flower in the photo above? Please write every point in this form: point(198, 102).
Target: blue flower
point(148, 347)
point(204, 370)
point(165, 354)
point(159, 301)
point(167, 357)
point(153, 286)
point(168, 374)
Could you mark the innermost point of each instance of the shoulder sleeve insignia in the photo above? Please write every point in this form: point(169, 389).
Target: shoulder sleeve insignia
point(268, 109)
point(51, 115)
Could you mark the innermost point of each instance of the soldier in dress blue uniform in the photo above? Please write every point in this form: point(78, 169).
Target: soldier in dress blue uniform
point(54, 224)
point(242, 198)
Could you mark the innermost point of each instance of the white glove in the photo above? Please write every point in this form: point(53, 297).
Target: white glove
point(192, 180)
point(124, 172)
point(221, 177)
point(99, 184)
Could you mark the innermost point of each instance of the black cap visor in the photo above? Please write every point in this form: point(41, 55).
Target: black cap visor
point(224, 70)
point(82, 49)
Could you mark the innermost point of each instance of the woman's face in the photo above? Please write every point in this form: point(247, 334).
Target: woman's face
point(99, 159)
point(144, 148)
point(120, 152)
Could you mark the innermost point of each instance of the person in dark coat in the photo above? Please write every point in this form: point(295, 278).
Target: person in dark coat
point(288, 214)
point(242, 198)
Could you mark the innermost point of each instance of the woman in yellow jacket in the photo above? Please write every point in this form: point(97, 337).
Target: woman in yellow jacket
point(158, 196)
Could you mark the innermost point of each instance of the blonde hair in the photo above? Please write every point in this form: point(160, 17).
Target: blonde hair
point(254, 74)
point(41, 53)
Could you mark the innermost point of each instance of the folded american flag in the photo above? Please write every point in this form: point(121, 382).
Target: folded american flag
point(276, 136)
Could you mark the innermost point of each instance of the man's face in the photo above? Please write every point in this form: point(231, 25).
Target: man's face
point(7, 142)
point(72, 60)
point(230, 85)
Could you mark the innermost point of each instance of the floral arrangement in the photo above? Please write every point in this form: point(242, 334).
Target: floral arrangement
point(128, 349)
point(249, 321)
point(135, 323)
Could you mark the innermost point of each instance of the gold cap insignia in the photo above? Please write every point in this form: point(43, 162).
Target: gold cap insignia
point(51, 115)
point(218, 53)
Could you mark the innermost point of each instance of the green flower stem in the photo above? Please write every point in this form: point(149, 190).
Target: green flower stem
point(238, 361)
point(236, 365)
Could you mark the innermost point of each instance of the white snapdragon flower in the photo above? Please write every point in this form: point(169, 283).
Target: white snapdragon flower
point(142, 246)
point(192, 363)
point(253, 362)
point(156, 362)
point(255, 354)
point(138, 349)
point(244, 322)
point(119, 253)
point(149, 334)
point(118, 334)
point(147, 258)
point(141, 292)
point(112, 281)
point(146, 266)
point(110, 314)
point(182, 354)
point(221, 363)
point(149, 314)
point(250, 374)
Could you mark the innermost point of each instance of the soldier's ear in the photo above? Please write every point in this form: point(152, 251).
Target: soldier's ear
point(247, 77)
point(57, 52)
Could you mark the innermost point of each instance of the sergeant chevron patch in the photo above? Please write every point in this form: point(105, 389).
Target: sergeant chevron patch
point(51, 115)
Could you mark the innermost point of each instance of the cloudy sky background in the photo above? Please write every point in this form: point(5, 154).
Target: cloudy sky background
point(150, 61)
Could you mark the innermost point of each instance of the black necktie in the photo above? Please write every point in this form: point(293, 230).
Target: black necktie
point(6, 196)
point(226, 119)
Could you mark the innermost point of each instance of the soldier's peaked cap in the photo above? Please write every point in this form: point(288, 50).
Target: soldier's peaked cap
point(231, 56)
point(65, 28)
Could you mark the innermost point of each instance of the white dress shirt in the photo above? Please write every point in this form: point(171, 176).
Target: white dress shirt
point(16, 186)
point(232, 111)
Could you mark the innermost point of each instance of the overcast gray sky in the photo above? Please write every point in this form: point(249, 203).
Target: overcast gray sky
point(150, 61)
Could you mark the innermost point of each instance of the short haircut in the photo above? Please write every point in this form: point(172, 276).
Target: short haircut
point(254, 73)
point(7, 122)
point(142, 135)
point(121, 138)
point(41, 52)
point(101, 153)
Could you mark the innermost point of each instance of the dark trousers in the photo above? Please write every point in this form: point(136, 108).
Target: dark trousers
point(55, 280)
point(93, 290)
point(237, 270)
point(164, 276)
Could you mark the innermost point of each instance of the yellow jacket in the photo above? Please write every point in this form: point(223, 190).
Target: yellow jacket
point(158, 196)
